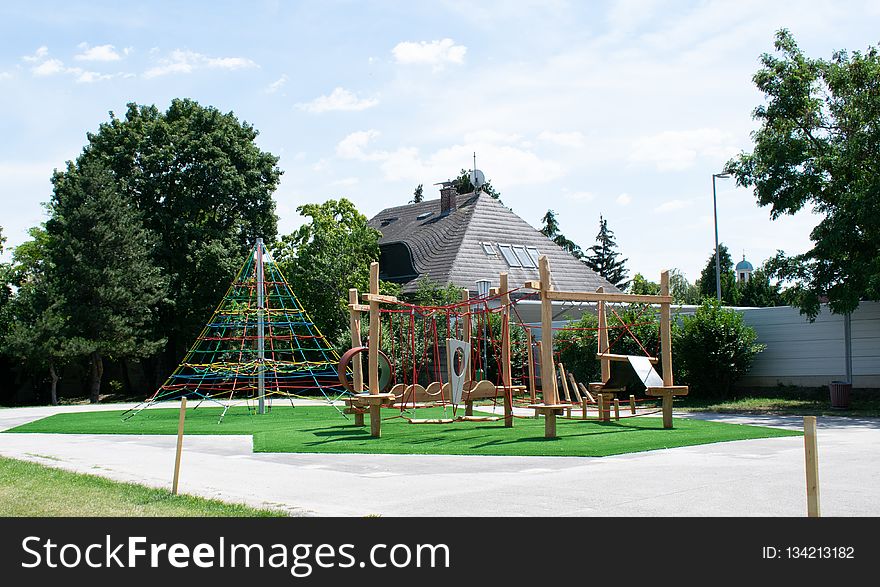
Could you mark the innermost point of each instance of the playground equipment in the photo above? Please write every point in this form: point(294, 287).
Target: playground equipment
point(258, 344)
point(606, 390)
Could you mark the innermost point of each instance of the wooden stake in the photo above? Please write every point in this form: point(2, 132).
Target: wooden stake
point(575, 393)
point(531, 359)
point(584, 404)
point(179, 445)
point(506, 373)
point(666, 334)
point(811, 455)
point(616, 409)
point(538, 344)
point(548, 372)
point(632, 404)
point(601, 399)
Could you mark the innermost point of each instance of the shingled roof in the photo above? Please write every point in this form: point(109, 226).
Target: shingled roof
point(448, 248)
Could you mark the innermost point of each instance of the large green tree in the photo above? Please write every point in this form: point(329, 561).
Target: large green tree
point(707, 284)
point(604, 258)
point(760, 290)
point(100, 269)
point(204, 187)
point(550, 229)
point(818, 146)
point(325, 257)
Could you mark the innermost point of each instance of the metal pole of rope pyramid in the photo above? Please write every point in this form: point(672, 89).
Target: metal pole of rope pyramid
point(261, 342)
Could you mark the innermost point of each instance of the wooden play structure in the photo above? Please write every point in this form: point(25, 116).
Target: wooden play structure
point(416, 373)
point(551, 407)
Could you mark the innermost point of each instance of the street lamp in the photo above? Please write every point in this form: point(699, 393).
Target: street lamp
point(717, 252)
point(483, 293)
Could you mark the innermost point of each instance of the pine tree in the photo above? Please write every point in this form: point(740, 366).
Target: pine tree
point(418, 195)
point(99, 265)
point(708, 287)
point(551, 231)
point(603, 257)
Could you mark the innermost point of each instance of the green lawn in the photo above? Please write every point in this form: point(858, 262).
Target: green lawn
point(29, 489)
point(783, 405)
point(324, 430)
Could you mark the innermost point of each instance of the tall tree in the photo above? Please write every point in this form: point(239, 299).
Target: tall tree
point(463, 185)
point(418, 195)
point(203, 186)
point(550, 229)
point(327, 256)
point(759, 291)
point(35, 334)
point(100, 267)
point(818, 145)
point(603, 257)
point(642, 286)
point(683, 291)
point(707, 285)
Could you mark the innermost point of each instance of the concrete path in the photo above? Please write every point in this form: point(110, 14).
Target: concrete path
point(744, 478)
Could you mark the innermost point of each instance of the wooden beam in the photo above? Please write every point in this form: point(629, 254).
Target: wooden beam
point(376, 297)
point(665, 331)
point(602, 340)
point(622, 298)
point(616, 409)
point(180, 422)
point(530, 355)
point(532, 285)
point(576, 395)
point(811, 456)
point(354, 324)
point(622, 358)
point(632, 404)
point(506, 373)
point(548, 372)
point(564, 383)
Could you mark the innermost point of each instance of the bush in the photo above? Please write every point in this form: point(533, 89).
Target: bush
point(713, 349)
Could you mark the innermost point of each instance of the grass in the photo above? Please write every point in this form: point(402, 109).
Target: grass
point(782, 402)
point(322, 430)
point(29, 489)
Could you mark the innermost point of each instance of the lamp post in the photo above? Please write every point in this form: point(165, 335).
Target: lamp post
point(717, 252)
point(483, 293)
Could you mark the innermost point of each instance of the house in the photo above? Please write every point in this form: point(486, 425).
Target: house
point(463, 238)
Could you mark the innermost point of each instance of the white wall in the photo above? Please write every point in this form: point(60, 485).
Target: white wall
point(811, 354)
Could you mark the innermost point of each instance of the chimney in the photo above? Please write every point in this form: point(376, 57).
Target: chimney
point(448, 197)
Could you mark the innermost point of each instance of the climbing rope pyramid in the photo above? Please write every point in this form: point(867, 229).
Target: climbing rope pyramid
point(260, 343)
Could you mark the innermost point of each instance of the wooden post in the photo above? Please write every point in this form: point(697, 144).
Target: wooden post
point(531, 358)
point(584, 404)
point(375, 417)
point(506, 374)
point(601, 405)
point(665, 333)
point(564, 383)
point(604, 364)
point(548, 373)
point(538, 344)
point(811, 455)
point(632, 404)
point(354, 323)
point(616, 409)
point(667, 410)
point(179, 445)
point(550, 424)
point(467, 325)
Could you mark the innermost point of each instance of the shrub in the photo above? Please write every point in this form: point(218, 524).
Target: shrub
point(714, 348)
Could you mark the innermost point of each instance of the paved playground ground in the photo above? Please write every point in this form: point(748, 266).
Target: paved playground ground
point(762, 477)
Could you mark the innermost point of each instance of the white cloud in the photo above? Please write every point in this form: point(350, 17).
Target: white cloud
point(435, 53)
point(623, 199)
point(491, 136)
point(671, 205)
point(339, 99)
point(678, 150)
point(4, 75)
point(180, 61)
point(49, 67)
point(277, 84)
point(573, 139)
point(345, 182)
point(87, 77)
point(353, 145)
point(98, 53)
point(38, 55)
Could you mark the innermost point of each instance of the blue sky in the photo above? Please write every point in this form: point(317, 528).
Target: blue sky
point(621, 108)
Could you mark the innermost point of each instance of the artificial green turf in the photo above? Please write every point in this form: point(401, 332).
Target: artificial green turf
point(29, 489)
point(321, 429)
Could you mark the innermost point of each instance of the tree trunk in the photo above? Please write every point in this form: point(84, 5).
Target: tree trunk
point(126, 377)
point(53, 398)
point(97, 373)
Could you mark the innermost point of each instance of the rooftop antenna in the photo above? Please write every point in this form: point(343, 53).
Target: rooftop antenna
point(478, 179)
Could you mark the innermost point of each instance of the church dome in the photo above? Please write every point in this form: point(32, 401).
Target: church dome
point(744, 266)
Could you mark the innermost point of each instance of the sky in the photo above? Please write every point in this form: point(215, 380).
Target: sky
point(622, 108)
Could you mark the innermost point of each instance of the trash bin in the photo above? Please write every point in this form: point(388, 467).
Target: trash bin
point(840, 391)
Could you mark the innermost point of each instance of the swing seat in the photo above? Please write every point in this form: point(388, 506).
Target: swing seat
point(432, 420)
point(480, 418)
